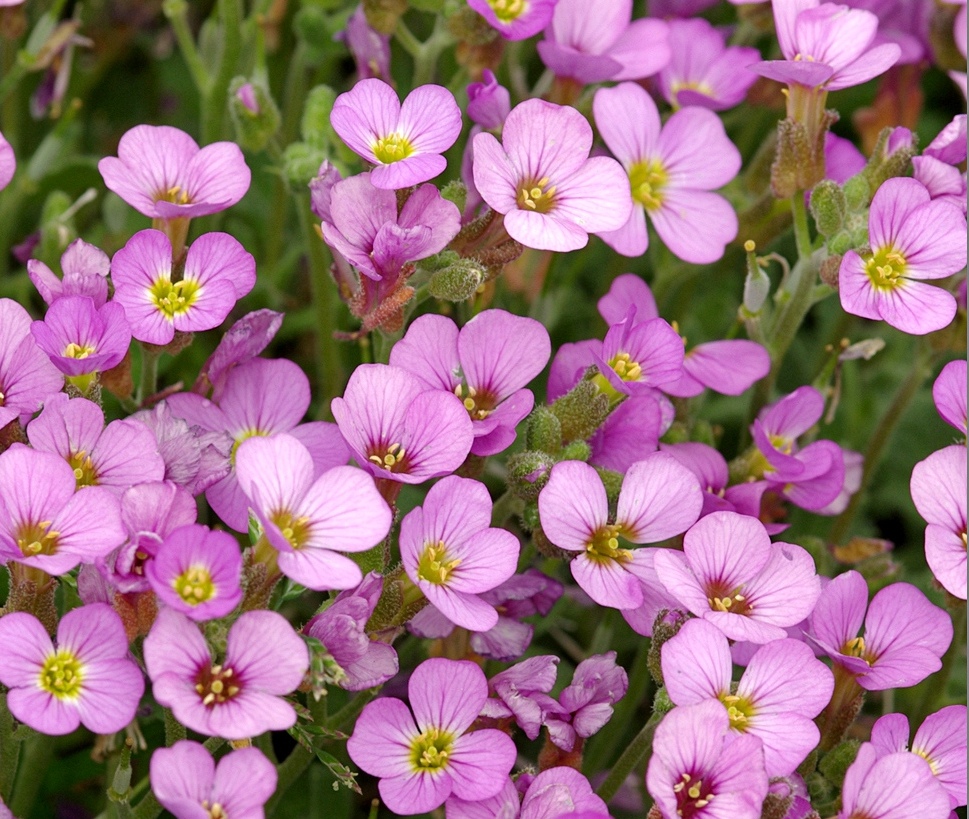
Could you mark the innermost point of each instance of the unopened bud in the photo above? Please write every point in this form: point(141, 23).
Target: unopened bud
point(892, 156)
point(254, 114)
point(382, 15)
point(528, 473)
point(757, 283)
point(836, 762)
point(315, 125)
point(828, 207)
point(829, 270)
point(543, 431)
point(612, 481)
point(467, 26)
point(662, 704)
point(667, 625)
point(313, 28)
point(857, 192)
point(576, 451)
point(458, 281)
point(300, 163)
point(457, 192)
point(581, 411)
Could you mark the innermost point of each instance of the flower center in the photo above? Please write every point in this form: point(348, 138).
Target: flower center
point(77, 351)
point(604, 546)
point(216, 811)
point(692, 796)
point(194, 585)
point(37, 539)
point(625, 367)
point(731, 601)
point(174, 299)
point(690, 85)
point(217, 685)
point(174, 194)
point(536, 195)
point(392, 148)
point(933, 763)
point(242, 436)
point(430, 751)
point(739, 709)
point(478, 404)
point(295, 529)
point(434, 566)
point(856, 647)
point(508, 11)
point(61, 675)
point(84, 472)
point(885, 268)
point(646, 183)
point(393, 458)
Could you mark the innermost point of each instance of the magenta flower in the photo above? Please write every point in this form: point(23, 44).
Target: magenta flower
point(150, 512)
point(702, 70)
point(85, 268)
point(404, 142)
point(514, 19)
point(595, 42)
point(82, 339)
point(827, 45)
point(27, 376)
point(161, 172)
point(522, 692)
point(238, 697)
point(698, 769)
point(912, 238)
point(242, 342)
point(398, 428)
point(218, 272)
point(188, 783)
point(940, 741)
point(370, 49)
point(423, 758)
point(115, 456)
point(261, 398)
point(780, 693)
point(87, 679)
point(44, 523)
point(486, 364)
point(637, 357)
point(197, 571)
point(8, 162)
point(452, 555)
point(341, 628)
point(308, 519)
point(938, 489)
point(660, 498)
point(540, 177)
point(598, 683)
point(555, 792)
point(489, 102)
point(671, 170)
point(812, 477)
point(893, 786)
point(896, 652)
point(363, 225)
point(949, 394)
point(730, 574)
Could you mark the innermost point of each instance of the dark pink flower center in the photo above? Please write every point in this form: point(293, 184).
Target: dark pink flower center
point(217, 685)
point(692, 796)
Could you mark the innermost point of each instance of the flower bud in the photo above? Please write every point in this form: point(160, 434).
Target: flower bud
point(254, 114)
point(836, 762)
point(581, 411)
point(828, 207)
point(300, 163)
point(489, 103)
point(757, 283)
point(892, 156)
point(528, 473)
point(382, 15)
point(315, 125)
point(667, 625)
point(830, 268)
point(857, 193)
point(457, 281)
point(543, 431)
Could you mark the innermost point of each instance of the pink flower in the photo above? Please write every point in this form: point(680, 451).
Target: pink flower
point(540, 177)
point(896, 651)
point(780, 693)
point(825, 44)
point(423, 758)
point(515, 19)
point(703, 71)
point(8, 162)
point(671, 170)
point(452, 555)
point(87, 679)
point(309, 519)
point(486, 364)
point(27, 376)
point(893, 786)
point(659, 499)
point(218, 272)
point(188, 783)
point(85, 268)
point(938, 489)
point(238, 697)
point(730, 574)
point(912, 238)
point(161, 172)
point(949, 394)
point(404, 142)
point(592, 42)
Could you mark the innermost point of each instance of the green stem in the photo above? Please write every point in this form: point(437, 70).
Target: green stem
point(9, 750)
point(37, 752)
point(881, 437)
point(174, 730)
point(935, 691)
point(177, 13)
point(631, 757)
point(148, 382)
point(349, 711)
point(407, 40)
point(802, 234)
point(214, 102)
point(289, 771)
point(13, 76)
point(425, 62)
point(329, 373)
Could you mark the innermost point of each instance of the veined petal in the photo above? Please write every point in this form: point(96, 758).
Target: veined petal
point(573, 505)
point(447, 694)
point(660, 498)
